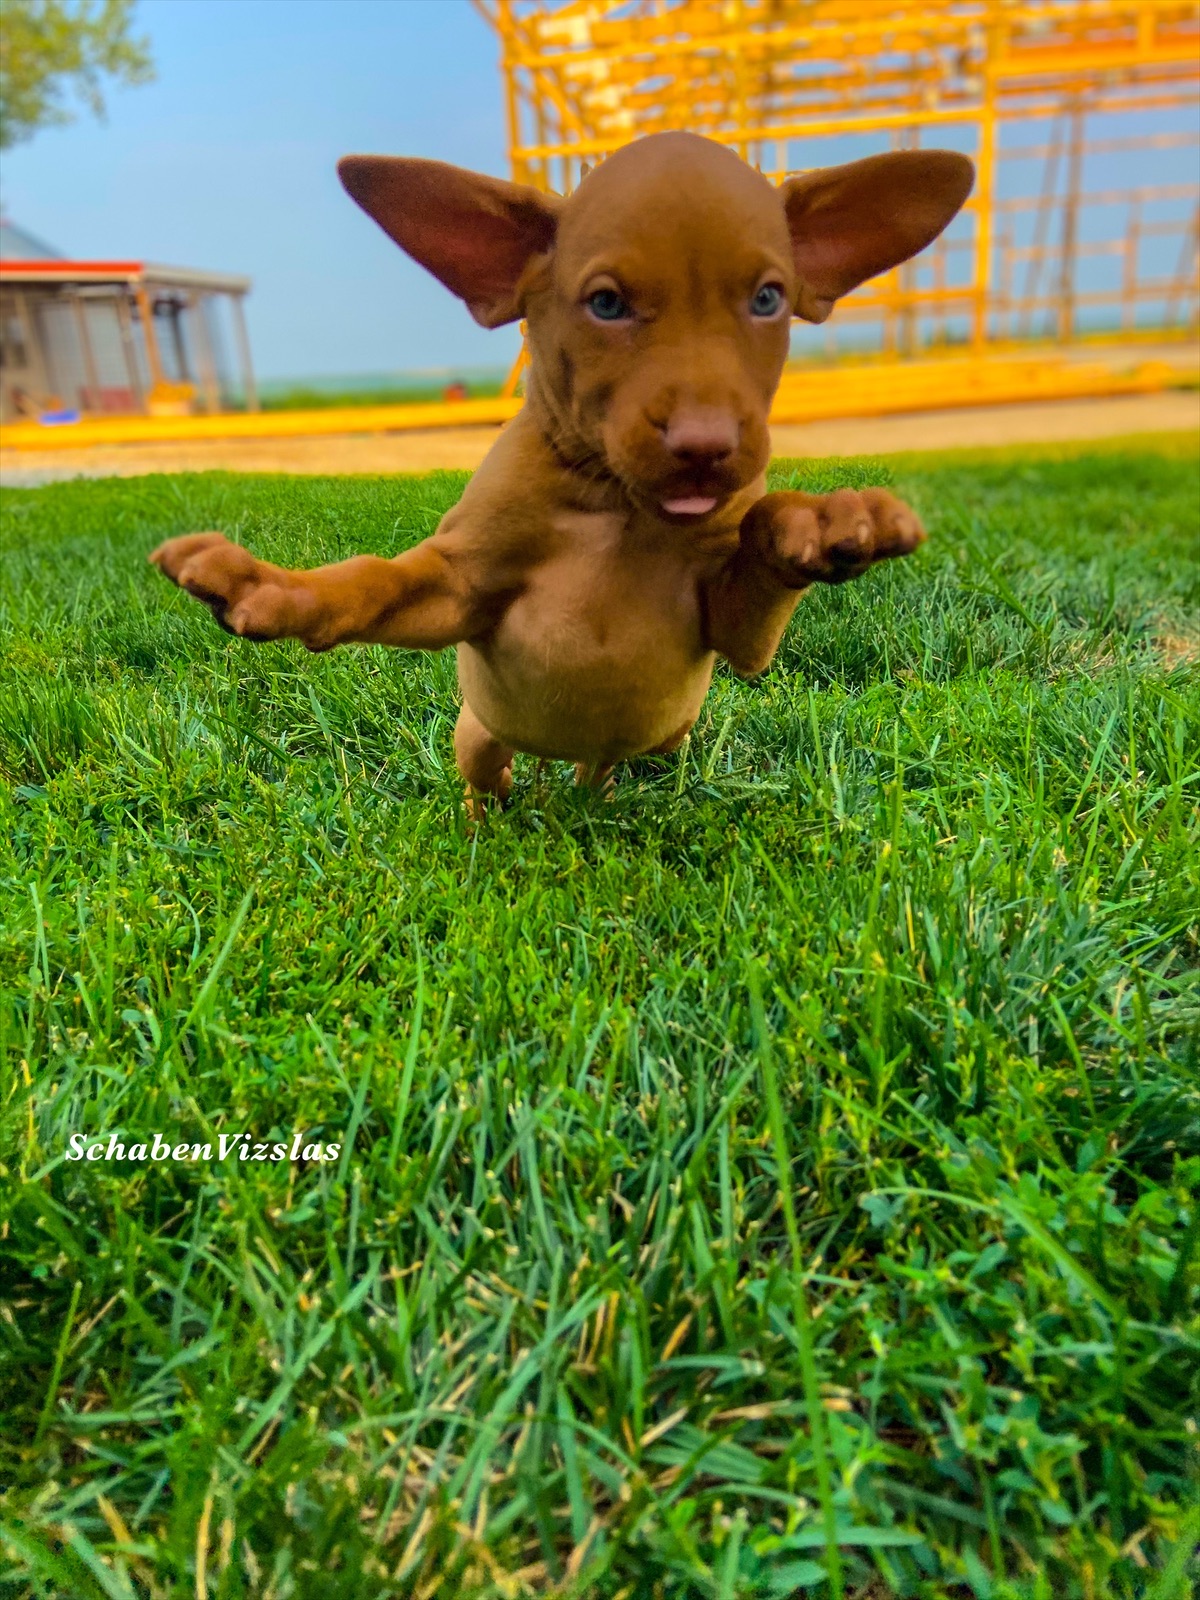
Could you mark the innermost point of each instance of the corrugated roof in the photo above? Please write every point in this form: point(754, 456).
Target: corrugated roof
point(18, 245)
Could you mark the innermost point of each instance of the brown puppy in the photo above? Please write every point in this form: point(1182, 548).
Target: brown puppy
point(617, 538)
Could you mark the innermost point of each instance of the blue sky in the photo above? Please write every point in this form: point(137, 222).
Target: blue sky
point(227, 161)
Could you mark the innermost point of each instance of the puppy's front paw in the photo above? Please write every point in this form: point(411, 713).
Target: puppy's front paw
point(828, 538)
point(246, 596)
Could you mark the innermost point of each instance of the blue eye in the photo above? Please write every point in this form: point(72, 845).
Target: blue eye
point(767, 301)
point(607, 305)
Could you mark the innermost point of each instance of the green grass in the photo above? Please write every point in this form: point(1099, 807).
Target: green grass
point(416, 391)
point(851, 1054)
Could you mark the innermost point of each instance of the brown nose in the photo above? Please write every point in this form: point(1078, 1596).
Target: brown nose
point(702, 437)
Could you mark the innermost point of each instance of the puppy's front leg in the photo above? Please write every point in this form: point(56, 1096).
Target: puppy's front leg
point(789, 541)
point(421, 600)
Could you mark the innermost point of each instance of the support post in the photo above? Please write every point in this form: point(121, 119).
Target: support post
point(206, 360)
point(509, 387)
point(1070, 229)
point(89, 355)
point(1184, 282)
point(38, 358)
point(1129, 273)
point(985, 186)
point(1036, 259)
point(905, 337)
point(249, 388)
point(182, 365)
point(149, 335)
point(129, 348)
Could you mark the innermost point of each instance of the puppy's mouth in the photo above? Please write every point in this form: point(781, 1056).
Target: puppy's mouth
point(690, 505)
point(693, 497)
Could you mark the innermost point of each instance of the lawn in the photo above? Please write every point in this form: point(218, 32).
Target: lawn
point(804, 1138)
point(318, 397)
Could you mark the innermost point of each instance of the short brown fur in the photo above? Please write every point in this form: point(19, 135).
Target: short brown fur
point(618, 537)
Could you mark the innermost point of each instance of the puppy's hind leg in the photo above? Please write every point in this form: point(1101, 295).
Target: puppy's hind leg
point(595, 775)
point(485, 763)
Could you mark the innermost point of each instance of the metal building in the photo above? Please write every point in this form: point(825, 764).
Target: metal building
point(97, 338)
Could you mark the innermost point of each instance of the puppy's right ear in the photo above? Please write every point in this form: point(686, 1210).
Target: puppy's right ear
point(476, 234)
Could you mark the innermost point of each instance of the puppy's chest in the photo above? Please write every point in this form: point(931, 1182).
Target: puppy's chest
point(601, 654)
point(601, 592)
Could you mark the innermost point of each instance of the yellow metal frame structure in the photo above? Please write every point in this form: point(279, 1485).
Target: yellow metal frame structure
point(774, 79)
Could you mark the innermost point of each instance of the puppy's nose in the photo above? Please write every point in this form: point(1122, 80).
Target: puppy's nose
point(703, 436)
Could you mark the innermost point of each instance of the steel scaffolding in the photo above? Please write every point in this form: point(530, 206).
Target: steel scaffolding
point(1038, 94)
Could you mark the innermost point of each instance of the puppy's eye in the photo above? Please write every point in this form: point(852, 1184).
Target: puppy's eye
point(607, 306)
point(767, 301)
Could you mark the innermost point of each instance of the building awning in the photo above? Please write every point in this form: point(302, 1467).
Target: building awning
point(141, 274)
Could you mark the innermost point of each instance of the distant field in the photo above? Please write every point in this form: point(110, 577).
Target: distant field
point(414, 389)
point(557, 1319)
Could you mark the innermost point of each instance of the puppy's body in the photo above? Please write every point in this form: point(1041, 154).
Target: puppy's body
point(601, 651)
point(617, 539)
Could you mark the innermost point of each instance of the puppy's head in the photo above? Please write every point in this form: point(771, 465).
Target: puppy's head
point(659, 294)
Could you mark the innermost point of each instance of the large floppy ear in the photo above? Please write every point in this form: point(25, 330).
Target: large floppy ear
point(477, 234)
point(848, 223)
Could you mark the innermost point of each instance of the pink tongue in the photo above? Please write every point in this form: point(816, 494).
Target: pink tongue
point(696, 506)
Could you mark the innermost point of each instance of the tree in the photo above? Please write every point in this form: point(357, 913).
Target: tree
point(48, 47)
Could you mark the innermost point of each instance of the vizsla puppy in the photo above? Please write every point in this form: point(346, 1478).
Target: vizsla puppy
point(617, 539)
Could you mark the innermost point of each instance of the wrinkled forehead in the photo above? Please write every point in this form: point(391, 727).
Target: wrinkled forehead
point(678, 198)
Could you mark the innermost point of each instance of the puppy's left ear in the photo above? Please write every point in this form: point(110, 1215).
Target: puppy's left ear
point(849, 223)
point(476, 234)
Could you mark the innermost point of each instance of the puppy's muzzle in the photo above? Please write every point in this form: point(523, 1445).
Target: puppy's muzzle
point(703, 438)
point(702, 443)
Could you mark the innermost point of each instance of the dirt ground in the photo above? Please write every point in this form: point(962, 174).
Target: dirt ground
point(1050, 421)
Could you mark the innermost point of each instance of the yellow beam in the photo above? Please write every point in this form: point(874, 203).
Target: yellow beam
point(875, 391)
point(259, 424)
